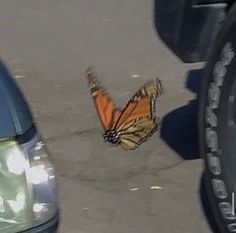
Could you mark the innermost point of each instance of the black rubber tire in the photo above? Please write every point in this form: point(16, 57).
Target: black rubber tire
point(217, 125)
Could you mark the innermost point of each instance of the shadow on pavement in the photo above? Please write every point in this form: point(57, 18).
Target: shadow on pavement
point(206, 206)
point(179, 128)
point(180, 131)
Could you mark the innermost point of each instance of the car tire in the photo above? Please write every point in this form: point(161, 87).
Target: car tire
point(217, 125)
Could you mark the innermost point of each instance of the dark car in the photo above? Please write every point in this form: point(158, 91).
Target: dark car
point(28, 197)
point(205, 30)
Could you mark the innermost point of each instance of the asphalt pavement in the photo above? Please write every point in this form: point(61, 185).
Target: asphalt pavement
point(47, 45)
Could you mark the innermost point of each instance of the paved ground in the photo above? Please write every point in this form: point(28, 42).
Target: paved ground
point(47, 44)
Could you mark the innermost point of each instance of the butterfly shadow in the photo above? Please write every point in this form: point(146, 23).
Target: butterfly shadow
point(180, 127)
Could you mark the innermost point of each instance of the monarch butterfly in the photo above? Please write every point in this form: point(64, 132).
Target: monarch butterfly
point(136, 122)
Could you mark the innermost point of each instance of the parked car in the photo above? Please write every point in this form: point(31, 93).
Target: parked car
point(28, 197)
point(205, 30)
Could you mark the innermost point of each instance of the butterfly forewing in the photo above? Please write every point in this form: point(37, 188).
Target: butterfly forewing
point(106, 109)
point(133, 111)
point(142, 104)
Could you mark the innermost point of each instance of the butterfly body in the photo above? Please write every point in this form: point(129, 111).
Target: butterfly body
point(134, 124)
point(112, 137)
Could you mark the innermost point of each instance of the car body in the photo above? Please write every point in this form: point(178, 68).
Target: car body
point(28, 196)
point(189, 28)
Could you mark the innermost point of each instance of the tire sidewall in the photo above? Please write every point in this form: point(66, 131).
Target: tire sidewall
point(217, 73)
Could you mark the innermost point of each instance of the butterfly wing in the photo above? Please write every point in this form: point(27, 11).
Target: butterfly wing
point(138, 121)
point(107, 111)
point(138, 132)
point(142, 104)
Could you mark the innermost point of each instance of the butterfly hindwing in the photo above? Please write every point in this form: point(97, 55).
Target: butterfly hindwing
point(138, 133)
point(107, 111)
